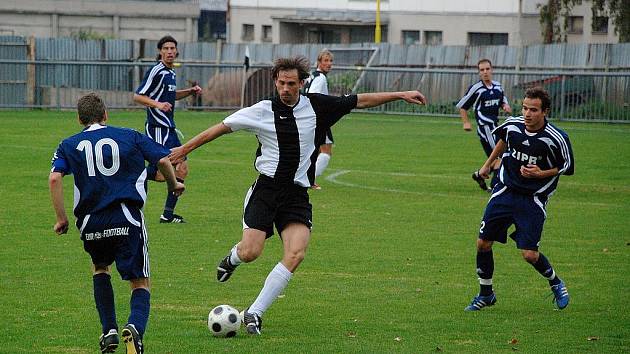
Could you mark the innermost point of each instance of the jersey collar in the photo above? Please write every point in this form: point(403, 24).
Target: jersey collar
point(93, 127)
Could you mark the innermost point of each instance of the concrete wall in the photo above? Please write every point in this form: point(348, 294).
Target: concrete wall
point(118, 19)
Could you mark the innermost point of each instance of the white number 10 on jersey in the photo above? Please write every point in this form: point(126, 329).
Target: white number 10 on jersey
point(86, 145)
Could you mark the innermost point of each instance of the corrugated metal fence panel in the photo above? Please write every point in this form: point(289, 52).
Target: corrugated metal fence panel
point(13, 76)
point(598, 55)
point(118, 49)
point(575, 55)
point(500, 56)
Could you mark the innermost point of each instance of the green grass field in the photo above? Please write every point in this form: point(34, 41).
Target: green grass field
point(390, 267)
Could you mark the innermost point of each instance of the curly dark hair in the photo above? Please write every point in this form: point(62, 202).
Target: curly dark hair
point(541, 94)
point(299, 63)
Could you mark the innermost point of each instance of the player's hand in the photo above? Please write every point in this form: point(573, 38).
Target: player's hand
point(414, 97)
point(484, 172)
point(164, 106)
point(177, 155)
point(507, 108)
point(179, 189)
point(195, 90)
point(531, 171)
point(61, 227)
point(467, 127)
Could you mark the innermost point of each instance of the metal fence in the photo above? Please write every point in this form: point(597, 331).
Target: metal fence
point(586, 81)
point(585, 96)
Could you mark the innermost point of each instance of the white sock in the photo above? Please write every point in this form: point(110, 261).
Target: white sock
point(234, 256)
point(321, 164)
point(275, 283)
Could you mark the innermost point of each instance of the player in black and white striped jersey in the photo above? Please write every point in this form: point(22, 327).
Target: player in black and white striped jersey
point(290, 127)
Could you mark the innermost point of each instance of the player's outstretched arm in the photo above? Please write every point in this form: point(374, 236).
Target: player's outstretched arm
point(179, 153)
point(498, 150)
point(167, 170)
point(195, 90)
point(55, 183)
point(367, 100)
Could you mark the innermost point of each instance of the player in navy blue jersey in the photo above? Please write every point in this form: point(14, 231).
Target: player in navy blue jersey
point(534, 154)
point(158, 92)
point(289, 128)
point(485, 97)
point(109, 194)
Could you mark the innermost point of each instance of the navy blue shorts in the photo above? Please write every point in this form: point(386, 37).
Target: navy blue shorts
point(163, 136)
point(506, 207)
point(487, 139)
point(117, 235)
point(268, 203)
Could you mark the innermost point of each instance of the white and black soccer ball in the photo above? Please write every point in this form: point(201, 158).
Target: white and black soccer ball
point(224, 321)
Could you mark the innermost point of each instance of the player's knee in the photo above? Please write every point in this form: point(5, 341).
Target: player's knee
point(483, 245)
point(102, 268)
point(530, 256)
point(294, 258)
point(140, 283)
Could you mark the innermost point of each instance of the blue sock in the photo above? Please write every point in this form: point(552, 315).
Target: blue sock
point(485, 270)
point(171, 201)
point(543, 267)
point(104, 299)
point(140, 305)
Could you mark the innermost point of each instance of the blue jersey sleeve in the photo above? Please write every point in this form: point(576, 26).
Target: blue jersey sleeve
point(149, 83)
point(151, 151)
point(469, 98)
point(564, 155)
point(59, 163)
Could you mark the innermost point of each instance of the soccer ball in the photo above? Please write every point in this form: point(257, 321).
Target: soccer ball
point(224, 321)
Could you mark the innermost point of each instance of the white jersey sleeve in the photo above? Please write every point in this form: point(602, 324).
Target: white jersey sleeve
point(248, 118)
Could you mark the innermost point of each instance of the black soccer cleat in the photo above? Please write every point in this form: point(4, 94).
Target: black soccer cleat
point(225, 269)
point(132, 340)
point(176, 219)
point(253, 323)
point(109, 342)
point(480, 181)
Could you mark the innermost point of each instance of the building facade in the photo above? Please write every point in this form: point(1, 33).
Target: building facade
point(445, 22)
point(100, 18)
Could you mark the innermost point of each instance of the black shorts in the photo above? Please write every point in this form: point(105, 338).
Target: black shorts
point(268, 203)
point(117, 234)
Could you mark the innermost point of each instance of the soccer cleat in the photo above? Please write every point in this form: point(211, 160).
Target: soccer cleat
point(480, 181)
point(560, 295)
point(479, 302)
point(225, 269)
point(176, 219)
point(316, 187)
point(109, 341)
point(253, 323)
point(132, 340)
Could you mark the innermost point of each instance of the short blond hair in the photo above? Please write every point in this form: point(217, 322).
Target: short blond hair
point(324, 53)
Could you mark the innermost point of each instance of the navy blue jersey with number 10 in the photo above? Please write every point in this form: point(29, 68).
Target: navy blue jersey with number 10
point(108, 165)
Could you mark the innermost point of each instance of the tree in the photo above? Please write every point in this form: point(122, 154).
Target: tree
point(554, 10)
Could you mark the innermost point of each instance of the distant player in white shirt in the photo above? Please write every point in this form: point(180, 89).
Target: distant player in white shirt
point(289, 128)
point(319, 84)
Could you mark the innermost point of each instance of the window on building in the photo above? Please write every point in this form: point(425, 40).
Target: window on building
point(575, 24)
point(266, 34)
point(248, 32)
point(433, 37)
point(600, 25)
point(211, 25)
point(475, 38)
point(410, 37)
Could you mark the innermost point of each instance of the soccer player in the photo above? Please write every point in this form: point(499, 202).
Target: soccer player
point(110, 191)
point(319, 84)
point(535, 153)
point(158, 92)
point(486, 97)
point(289, 128)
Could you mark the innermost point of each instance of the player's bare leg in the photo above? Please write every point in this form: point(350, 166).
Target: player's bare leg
point(250, 248)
